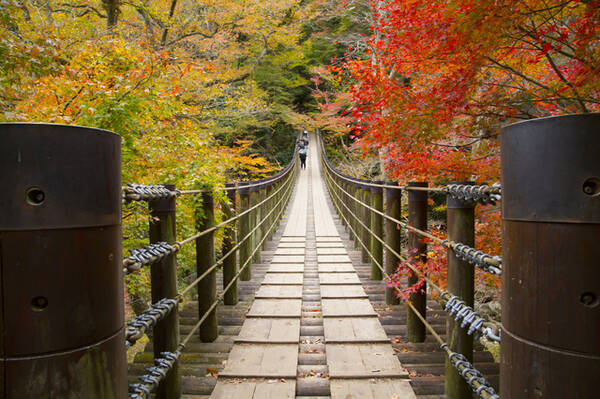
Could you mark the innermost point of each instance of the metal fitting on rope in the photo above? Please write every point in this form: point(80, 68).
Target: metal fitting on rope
point(148, 255)
point(477, 325)
point(474, 378)
point(155, 375)
point(487, 263)
point(475, 194)
point(137, 327)
point(141, 192)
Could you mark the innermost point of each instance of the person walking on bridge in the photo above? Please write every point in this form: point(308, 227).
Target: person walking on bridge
point(303, 153)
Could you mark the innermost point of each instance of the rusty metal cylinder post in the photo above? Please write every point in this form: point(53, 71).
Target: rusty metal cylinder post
point(243, 231)
point(461, 282)
point(229, 242)
point(377, 229)
point(417, 252)
point(205, 259)
point(61, 308)
point(254, 219)
point(393, 237)
point(163, 281)
point(551, 279)
point(365, 236)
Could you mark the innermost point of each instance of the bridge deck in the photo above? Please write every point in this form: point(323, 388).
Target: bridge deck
point(360, 360)
point(311, 323)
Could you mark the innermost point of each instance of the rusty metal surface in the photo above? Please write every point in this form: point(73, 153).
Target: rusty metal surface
point(58, 170)
point(60, 259)
point(550, 161)
point(551, 280)
point(91, 372)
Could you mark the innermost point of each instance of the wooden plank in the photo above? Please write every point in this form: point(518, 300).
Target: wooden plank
point(273, 331)
point(333, 259)
point(336, 268)
point(288, 259)
point(343, 291)
point(363, 361)
point(338, 278)
point(286, 268)
point(279, 291)
point(331, 251)
point(283, 278)
point(374, 388)
point(291, 245)
point(262, 361)
point(354, 330)
point(254, 389)
point(328, 239)
point(275, 308)
point(293, 239)
point(347, 307)
point(330, 244)
point(290, 251)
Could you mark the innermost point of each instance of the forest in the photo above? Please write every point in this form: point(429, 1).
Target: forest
point(208, 91)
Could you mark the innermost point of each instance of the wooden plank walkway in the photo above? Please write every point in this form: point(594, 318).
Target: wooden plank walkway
point(294, 333)
point(359, 357)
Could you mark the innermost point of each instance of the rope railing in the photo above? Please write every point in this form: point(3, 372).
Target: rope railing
point(488, 263)
point(458, 308)
point(482, 194)
point(361, 212)
point(455, 307)
point(153, 253)
point(264, 206)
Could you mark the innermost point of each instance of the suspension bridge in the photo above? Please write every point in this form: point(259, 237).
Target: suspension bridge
point(294, 303)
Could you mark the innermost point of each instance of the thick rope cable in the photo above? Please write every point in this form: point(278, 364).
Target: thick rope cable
point(233, 280)
point(451, 303)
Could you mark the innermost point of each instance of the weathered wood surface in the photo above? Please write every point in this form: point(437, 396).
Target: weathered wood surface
point(353, 330)
point(338, 278)
point(262, 361)
point(264, 389)
point(288, 259)
point(363, 361)
point(333, 259)
point(283, 278)
point(348, 307)
point(343, 291)
point(279, 291)
point(286, 268)
point(336, 268)
point(268, 330)
point(276, 308)
point(371, 389)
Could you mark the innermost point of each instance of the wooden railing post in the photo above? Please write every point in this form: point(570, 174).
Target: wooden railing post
point(263, 211)
point(163, 278)
point(229, 242)
point(366, 219)
point(205, 258)
point(357, 211)
point(269, 206)
point(417, 248)
point(254, 219)
point(244, 229)
point(461, 277)
point(377, 229)
point(393, 237)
